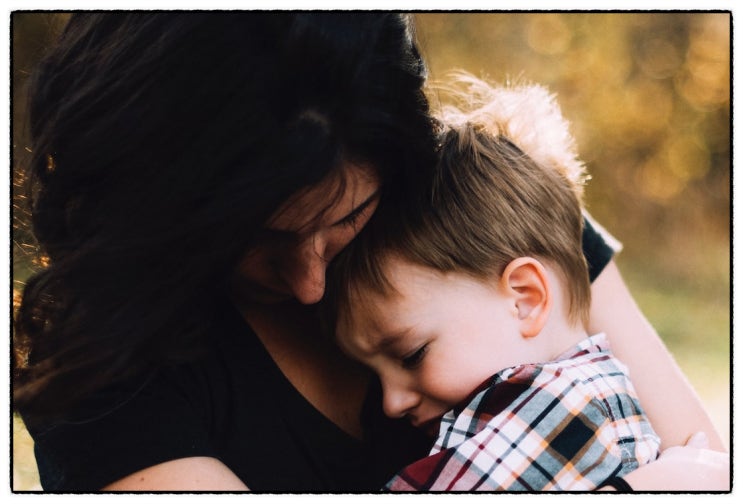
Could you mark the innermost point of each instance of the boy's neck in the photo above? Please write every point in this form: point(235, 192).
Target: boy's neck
point(555, 338)
point(563, 338)
point(560, 333)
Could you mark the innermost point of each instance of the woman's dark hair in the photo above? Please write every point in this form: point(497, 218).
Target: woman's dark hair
point(161, 142)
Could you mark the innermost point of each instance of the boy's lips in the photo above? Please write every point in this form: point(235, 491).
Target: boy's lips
point(430, 427)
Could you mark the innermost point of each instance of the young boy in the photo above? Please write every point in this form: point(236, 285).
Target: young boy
point(472, 307)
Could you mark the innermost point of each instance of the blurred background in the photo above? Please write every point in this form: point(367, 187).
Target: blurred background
point(648, 97)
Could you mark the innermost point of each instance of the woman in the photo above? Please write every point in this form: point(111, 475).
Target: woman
point(192, 175)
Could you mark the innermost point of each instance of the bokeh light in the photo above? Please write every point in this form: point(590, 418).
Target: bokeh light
point(648, 96)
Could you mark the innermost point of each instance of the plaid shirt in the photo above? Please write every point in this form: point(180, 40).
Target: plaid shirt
point(569, 424)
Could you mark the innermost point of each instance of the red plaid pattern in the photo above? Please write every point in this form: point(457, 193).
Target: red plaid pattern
point(569, 424)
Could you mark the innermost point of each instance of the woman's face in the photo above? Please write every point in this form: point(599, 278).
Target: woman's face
point(304, 234)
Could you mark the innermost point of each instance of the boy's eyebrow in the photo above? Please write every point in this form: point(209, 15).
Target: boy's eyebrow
point(356, 211)
point(391, 338)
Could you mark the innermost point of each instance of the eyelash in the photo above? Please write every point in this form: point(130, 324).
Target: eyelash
point(352, 219)
point(413, 360)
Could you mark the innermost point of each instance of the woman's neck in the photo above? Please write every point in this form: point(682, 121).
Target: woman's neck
point(313, 364)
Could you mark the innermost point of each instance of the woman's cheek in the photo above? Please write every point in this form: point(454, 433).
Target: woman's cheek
point(337, 241)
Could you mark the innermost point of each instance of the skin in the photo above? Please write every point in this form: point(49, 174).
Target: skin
point(296, 245)
point(274, 284)
point(441, 335)
point(670, 402)
point(693, 467)
point(285, 329)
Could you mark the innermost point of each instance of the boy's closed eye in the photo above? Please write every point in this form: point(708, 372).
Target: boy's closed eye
point(414, 359)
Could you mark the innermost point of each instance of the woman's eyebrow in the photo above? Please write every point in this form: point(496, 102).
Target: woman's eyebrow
point(356, 211)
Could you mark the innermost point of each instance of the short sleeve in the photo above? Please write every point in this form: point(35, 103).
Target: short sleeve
point(598, 246)
point(159, 422)
point(234, 404)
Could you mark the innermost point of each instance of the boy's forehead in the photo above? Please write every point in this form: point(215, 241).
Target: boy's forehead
point(367, 320)
point(373, 304)
point(366, 310)
point(365, 341)
point(377, 317)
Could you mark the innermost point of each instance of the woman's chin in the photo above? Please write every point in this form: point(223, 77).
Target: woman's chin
point(258, 294)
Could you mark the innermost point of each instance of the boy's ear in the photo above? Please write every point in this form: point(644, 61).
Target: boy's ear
point(525, 280)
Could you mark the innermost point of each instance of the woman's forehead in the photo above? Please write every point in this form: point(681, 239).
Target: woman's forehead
point(327, 202)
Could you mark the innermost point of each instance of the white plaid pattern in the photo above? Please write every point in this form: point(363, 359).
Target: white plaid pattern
point(571, 424)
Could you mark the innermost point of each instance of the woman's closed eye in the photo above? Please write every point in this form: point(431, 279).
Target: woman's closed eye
point(414, 359)
point(352, 219)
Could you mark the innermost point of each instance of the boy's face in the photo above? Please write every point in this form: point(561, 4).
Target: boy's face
point(432, 345)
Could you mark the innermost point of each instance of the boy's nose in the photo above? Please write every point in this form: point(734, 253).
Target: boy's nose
point(398, 400)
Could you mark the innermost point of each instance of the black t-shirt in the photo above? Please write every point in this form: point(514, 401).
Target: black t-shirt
point(598, 253)
point(237, 406)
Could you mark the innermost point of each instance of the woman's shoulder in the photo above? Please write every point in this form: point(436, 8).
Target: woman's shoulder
point(172, 413)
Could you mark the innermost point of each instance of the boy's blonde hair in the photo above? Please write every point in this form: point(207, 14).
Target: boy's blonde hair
point(527, 114)
point(507, 184)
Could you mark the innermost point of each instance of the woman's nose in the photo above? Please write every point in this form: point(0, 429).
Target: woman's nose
point(305, 275)
point(398, 400)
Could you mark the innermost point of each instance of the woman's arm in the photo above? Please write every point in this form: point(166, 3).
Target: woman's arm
point(194, 473)
point(685, 468)
point(674, 409)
